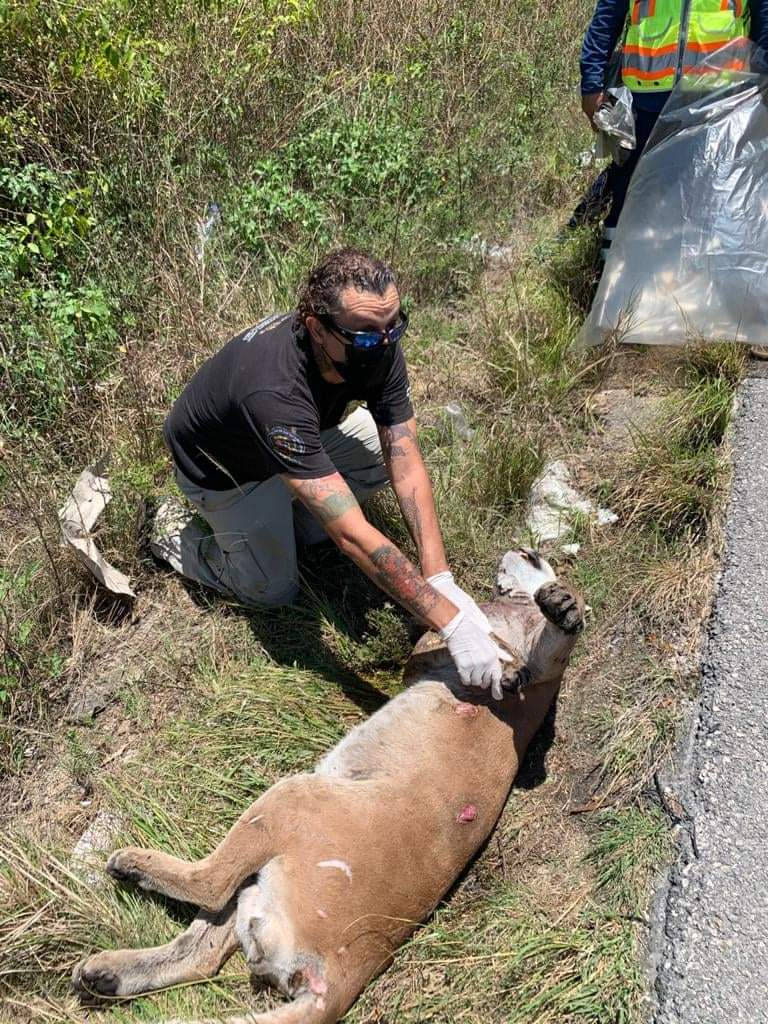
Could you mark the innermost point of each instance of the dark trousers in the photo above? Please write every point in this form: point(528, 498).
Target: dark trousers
point(619, 177)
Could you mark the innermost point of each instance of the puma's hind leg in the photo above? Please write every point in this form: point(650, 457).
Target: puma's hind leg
point(199, 952)
point(258, 836)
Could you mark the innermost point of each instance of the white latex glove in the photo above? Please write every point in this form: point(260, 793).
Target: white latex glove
point(444, 583)
point(477, 658)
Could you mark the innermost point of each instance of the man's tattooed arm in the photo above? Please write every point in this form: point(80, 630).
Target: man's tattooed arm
point(409, 506)
point(413, 488)
point(334, 505)
point(399, 443)
point(403, 581)
point(327, 498)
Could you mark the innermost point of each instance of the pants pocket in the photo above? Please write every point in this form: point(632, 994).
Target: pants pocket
point(236, 564)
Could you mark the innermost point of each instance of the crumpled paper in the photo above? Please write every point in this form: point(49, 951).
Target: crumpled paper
point(90, 496)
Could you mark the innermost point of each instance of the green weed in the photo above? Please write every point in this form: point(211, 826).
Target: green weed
point(627, 848)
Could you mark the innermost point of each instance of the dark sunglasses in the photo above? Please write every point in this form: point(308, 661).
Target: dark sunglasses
point(368, 339)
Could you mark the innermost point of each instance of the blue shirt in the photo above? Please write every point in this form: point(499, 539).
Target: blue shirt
point(606, 28)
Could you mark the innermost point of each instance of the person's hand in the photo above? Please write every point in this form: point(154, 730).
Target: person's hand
point(590, 104)
point(477, 658)
point(444, 583)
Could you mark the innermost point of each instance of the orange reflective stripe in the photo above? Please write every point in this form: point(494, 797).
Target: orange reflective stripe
point(711, 47)
point(704, 47)
point(649, 76)
point(707, 69)
point(652, 51)
point(643, 9)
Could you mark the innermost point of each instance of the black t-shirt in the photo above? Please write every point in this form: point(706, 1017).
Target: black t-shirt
point(257, 407)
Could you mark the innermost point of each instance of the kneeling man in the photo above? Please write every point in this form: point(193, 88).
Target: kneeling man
point(263, 451)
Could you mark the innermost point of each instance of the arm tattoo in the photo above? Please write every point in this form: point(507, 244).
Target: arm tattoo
point(409, 506)
point(400, 579)
point(391, 435)
point(327, 501)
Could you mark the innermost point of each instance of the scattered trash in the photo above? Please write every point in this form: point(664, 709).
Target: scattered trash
point(490, 252)
point(586, 157)
point(87, 858)
point(89, 498)
point(207, 227)
point(606, 518)
point(456, 422)
point(571, 549)
point(554, 503)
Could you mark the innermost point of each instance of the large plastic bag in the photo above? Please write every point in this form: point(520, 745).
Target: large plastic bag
point(689, 261)
point(616, 136)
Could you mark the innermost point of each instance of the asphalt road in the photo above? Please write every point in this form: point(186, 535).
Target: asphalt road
point(711, 934)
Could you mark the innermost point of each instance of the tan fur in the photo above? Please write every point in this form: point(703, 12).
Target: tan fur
point(325, 875)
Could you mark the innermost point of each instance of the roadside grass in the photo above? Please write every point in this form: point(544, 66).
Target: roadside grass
point(499, 959)
point(414, 129)
point(405, 128)
point(492, 953)
point(677, 470)
point(278, 689)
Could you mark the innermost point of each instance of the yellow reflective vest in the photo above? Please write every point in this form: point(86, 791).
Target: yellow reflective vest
point(668, 38)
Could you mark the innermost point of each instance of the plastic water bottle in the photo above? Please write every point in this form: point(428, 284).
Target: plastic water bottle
point(206, 228)
point(457, 423)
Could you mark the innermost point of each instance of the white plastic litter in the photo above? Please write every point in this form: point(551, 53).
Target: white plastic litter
point(616, 137)
point(89, 498)
point(207, 227)
point(606, 518)
point(689, 261)
point(494, 253)
point(457, 421)
point(554, 503)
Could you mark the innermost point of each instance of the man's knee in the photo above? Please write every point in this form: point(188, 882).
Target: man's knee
point(275, 594)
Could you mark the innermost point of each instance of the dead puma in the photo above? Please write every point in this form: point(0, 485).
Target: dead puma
point(325, 875)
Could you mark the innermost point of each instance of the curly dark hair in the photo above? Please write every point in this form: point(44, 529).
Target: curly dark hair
point(343, 268)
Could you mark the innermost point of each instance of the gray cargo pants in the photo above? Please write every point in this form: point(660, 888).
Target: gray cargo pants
point(250, 551)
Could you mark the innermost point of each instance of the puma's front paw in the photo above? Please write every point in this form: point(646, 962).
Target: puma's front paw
point(125, 866)
point(561, 607)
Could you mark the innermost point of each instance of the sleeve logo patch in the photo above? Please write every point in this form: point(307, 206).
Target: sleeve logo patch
point(286, 441)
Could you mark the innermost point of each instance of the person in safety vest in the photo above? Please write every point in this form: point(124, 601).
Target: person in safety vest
point(265, 451)
point(662, 39)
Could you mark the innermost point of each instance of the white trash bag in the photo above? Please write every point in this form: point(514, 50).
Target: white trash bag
point(689, 261)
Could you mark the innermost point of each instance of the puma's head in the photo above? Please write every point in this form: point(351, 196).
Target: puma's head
point(522, 570)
